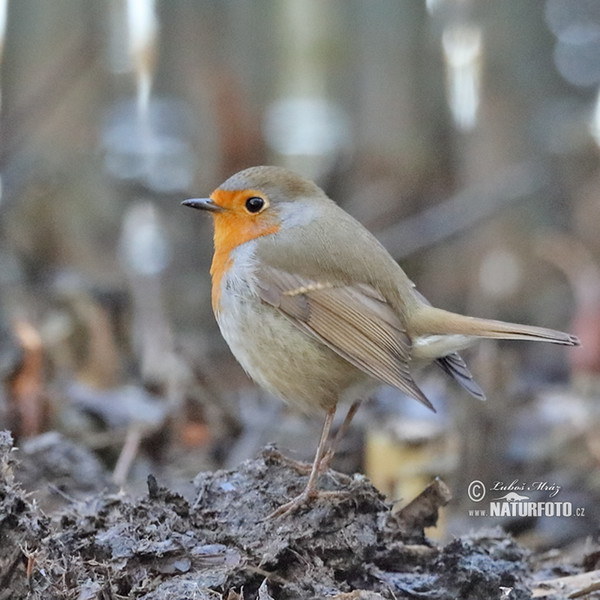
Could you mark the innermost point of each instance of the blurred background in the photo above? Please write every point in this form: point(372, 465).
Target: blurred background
point(464, 134)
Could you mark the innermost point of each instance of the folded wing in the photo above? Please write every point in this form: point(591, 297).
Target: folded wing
point(354, 320)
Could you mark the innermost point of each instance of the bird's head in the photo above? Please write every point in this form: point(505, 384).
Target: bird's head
point(259, 201)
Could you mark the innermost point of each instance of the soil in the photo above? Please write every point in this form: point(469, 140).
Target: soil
point(97, 543)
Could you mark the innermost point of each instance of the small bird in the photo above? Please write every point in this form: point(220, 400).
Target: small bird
point(316, 310)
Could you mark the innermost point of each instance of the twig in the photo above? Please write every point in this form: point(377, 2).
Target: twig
point(593, 587)
point(128, 453)
point(579, 585)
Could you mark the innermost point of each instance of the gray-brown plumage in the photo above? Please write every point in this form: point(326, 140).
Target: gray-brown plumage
point(316, 310)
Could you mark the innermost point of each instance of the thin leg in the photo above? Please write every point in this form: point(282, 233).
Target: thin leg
point(310, 490)
point(305, 468)
point(328, 456)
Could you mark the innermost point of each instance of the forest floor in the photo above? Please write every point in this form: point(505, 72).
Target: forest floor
point(93, 542)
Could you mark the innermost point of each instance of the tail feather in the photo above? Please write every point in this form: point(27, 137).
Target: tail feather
point(435, 321)
point(455, 366)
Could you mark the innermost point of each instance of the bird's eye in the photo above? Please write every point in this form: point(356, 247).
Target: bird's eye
point(254, 204)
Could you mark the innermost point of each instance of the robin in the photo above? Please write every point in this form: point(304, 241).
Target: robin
point(317, 311)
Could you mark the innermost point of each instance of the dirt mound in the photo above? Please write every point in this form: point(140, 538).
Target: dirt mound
point(219, 544)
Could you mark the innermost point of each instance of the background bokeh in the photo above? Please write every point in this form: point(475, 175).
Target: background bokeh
point(464, 134)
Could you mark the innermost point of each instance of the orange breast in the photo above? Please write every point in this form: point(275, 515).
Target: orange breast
point(233, 228)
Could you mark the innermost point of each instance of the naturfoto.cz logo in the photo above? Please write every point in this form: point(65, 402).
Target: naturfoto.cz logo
point(516, 503)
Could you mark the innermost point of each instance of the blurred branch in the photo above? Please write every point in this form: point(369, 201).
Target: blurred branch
point(465, 209)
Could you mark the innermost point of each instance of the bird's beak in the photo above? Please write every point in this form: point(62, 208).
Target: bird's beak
point(203, 204)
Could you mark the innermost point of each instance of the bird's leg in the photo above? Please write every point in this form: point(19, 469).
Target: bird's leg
point(328, 456)
point(310, 491)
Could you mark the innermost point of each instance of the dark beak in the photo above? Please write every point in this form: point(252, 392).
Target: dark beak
point(202, 204)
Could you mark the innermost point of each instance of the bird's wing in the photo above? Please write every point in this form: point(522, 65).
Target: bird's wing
point(354, 320)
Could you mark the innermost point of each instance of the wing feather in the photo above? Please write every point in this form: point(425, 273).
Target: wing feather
point(354, 320)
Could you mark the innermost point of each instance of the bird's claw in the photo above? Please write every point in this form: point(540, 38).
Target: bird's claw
point(304, 498)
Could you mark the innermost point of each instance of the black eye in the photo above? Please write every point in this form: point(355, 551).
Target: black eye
point(254, 204)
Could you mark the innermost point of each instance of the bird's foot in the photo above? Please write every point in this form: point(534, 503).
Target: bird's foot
point(304, 468)
point(303, 499)
point(301, 467)
point(289, 507)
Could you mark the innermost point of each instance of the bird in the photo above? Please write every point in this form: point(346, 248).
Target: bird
point(316, 310)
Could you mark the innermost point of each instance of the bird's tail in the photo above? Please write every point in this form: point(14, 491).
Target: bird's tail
point(435, 321)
